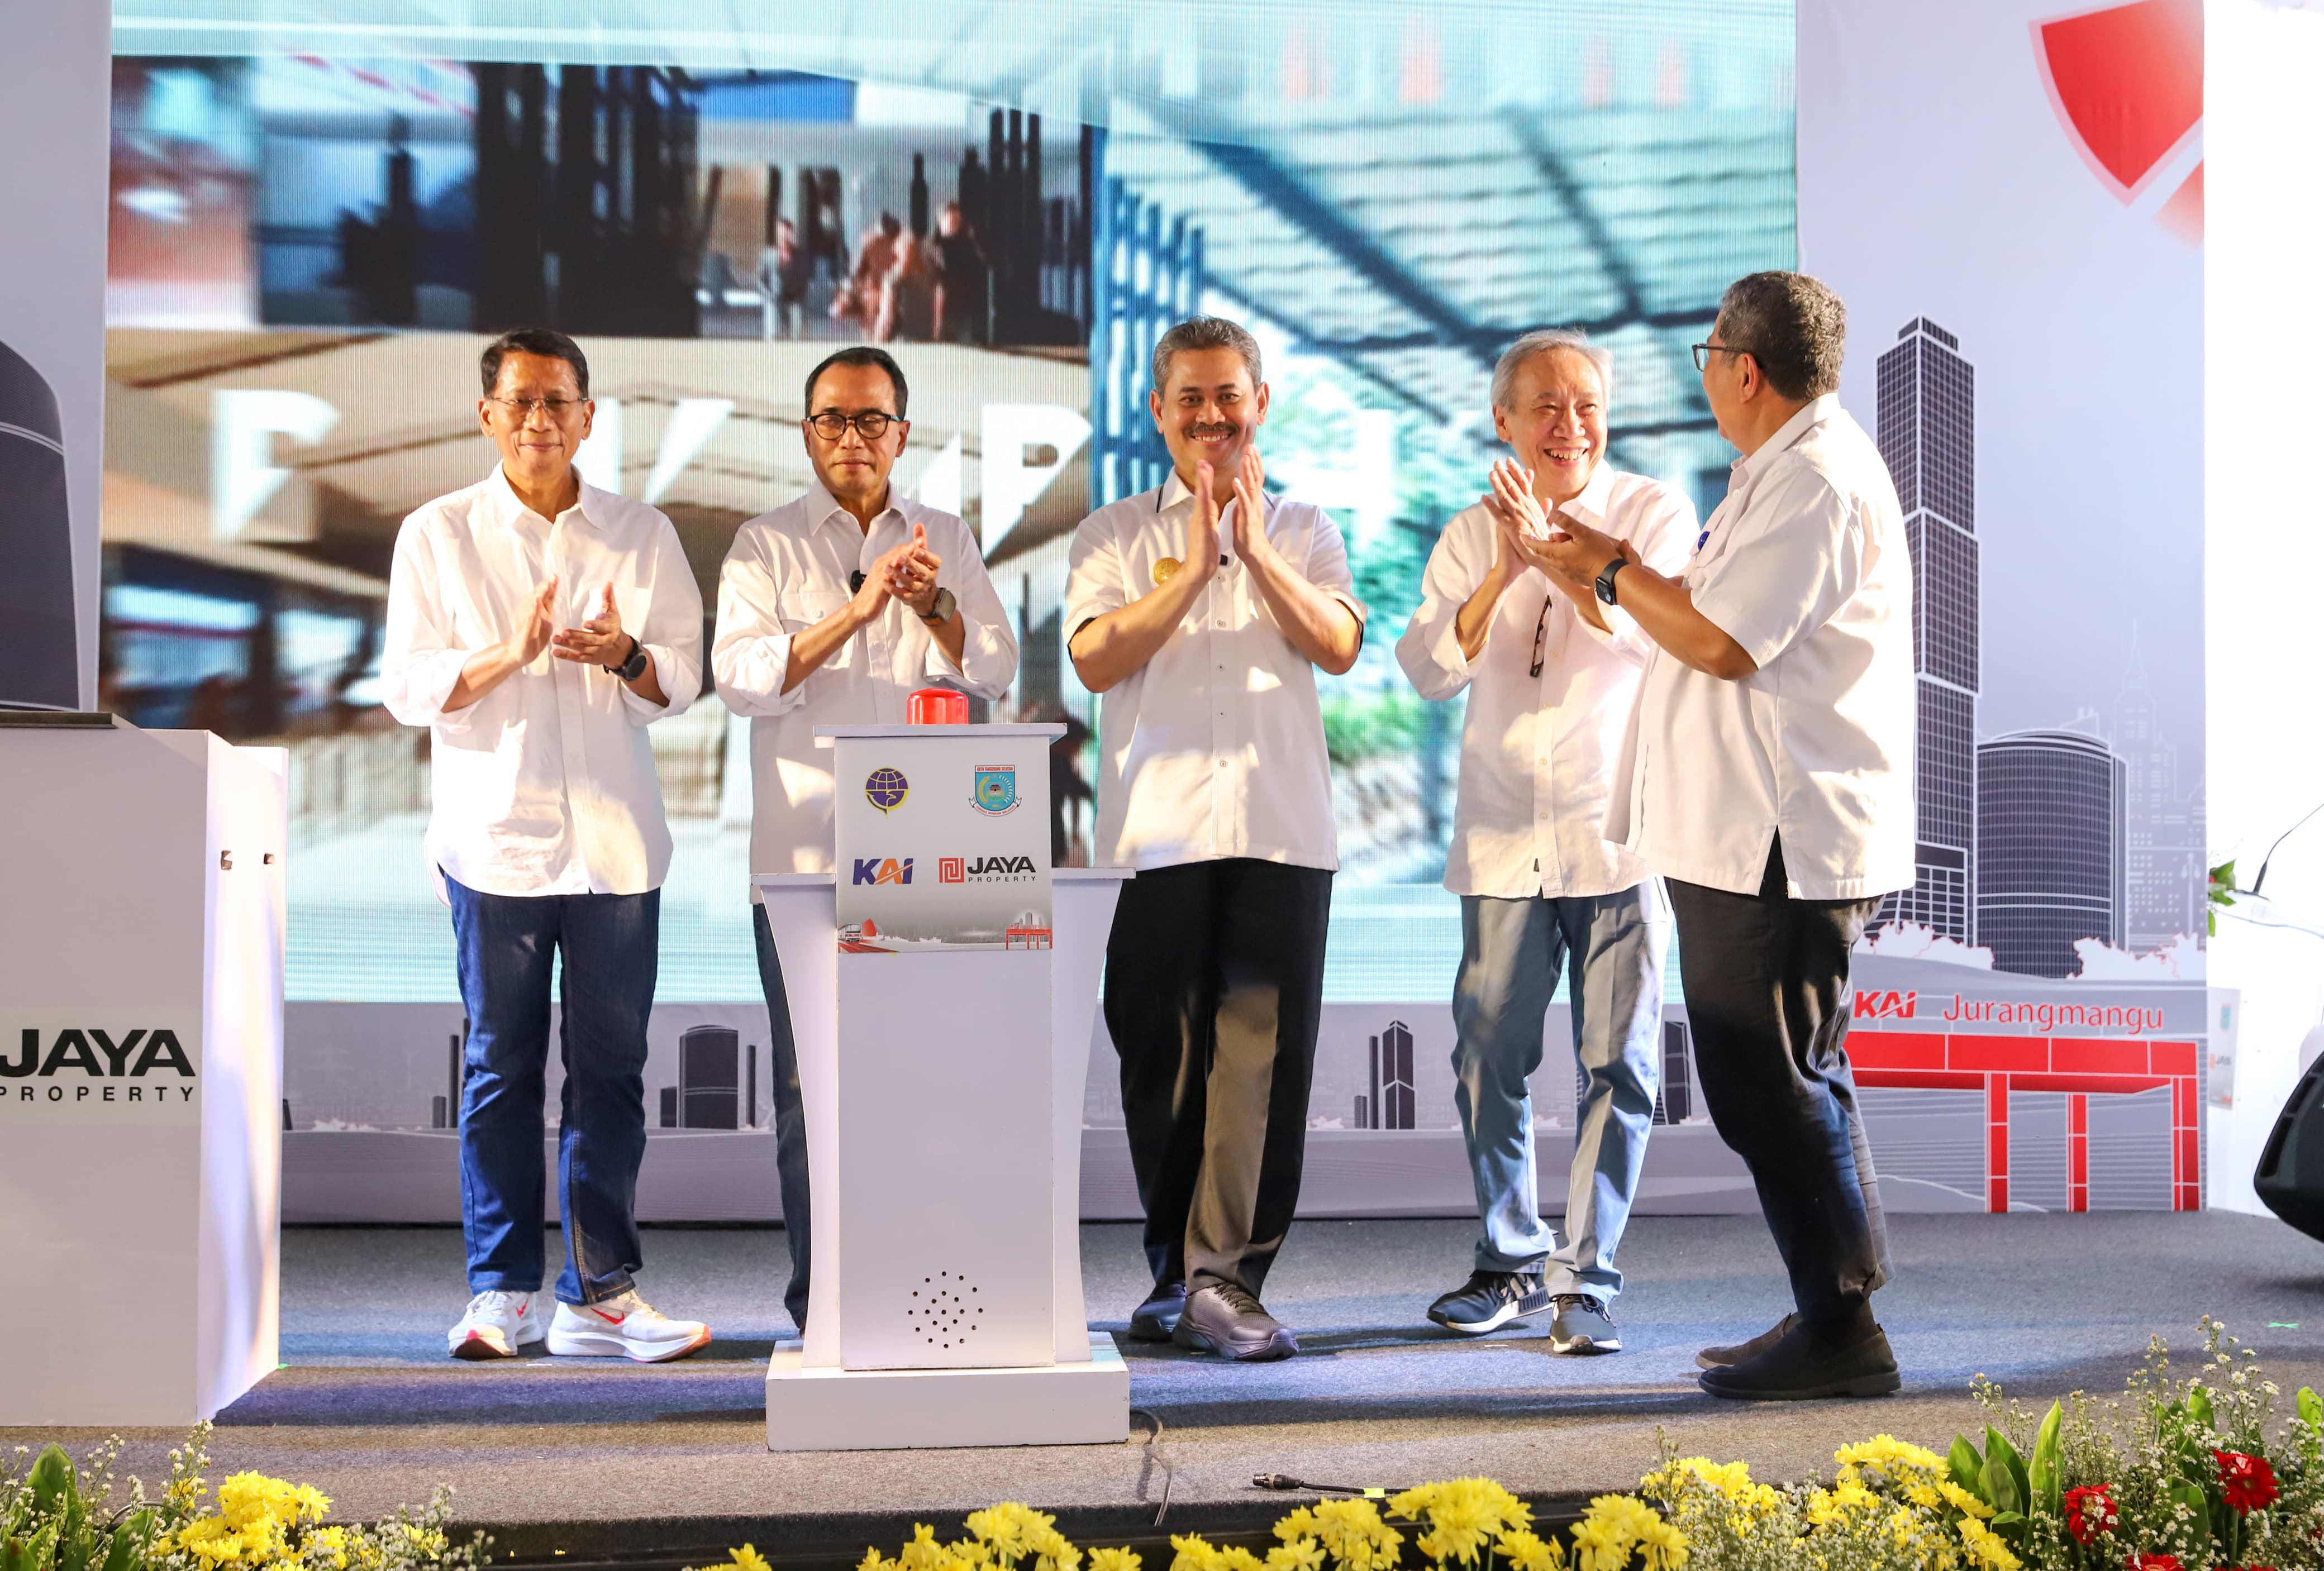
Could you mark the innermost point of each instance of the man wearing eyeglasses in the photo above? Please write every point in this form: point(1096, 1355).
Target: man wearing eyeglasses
point(537, 625)
point(832, 608)
point(1551, 673)
point(1770, 782)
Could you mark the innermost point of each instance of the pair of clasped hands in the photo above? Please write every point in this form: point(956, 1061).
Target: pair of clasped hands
point(1248, 529)
point(907, 572)
point(599, 640)
point(1568, 552)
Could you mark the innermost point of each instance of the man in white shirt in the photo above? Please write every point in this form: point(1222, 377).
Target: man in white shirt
point(1201, 610)
point(1770, 782)
point(832, 608)
point(535, 625)
point(1551, 675)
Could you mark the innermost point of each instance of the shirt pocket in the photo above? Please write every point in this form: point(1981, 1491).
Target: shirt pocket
point(802, 609)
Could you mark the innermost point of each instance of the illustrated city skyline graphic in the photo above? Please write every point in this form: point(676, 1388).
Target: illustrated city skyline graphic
point(2031, 841)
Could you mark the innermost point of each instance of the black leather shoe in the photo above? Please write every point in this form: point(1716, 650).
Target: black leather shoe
point(1802, 1367)
point(1737, 1352)
point(1227, 1320)
point(1158, 1316)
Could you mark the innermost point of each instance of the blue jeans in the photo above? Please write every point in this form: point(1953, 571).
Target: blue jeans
point(507, 945)
point(791, 1116)
point(1612, 946)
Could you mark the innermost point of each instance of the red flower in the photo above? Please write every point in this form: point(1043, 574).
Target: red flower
point(2089, 1511)
point(2246, 1482)
point(2154, 1563)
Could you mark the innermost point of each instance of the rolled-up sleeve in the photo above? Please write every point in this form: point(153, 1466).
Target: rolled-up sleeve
point(988, 649)
point(672, 634)
point(1430, 650)
point(1782, 580)
point(419, 660)
point(1328, 569)
point(751, 654)
point(1093, 583)
point(1663, 540)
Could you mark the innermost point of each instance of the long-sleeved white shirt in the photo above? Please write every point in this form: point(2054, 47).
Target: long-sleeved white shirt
point(1537, 753)
point(1214, 748)
point(787, 571)
point(1804, 565)
point(546, 785)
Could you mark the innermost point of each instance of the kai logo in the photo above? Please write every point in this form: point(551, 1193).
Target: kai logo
point(1887, 1005)
point(883, 870)
point(80, 1063)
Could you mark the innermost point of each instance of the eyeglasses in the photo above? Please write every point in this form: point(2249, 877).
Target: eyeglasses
point(521, 409)
point(1704, 351)
point(869, 424)
point(1540, 634)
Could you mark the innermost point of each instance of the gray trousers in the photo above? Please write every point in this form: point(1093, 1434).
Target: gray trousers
point(1612, 946)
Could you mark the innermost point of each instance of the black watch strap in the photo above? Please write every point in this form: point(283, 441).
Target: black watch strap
point(1606, 578)
point(630, 669)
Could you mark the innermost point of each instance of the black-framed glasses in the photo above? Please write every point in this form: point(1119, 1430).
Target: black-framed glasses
point(523, 408)
point(1704, 351)
point(1541, 634)
point(869, 424)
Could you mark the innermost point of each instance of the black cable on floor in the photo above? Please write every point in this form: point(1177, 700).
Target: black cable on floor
point(1169, 1469)
point(1284, 1481)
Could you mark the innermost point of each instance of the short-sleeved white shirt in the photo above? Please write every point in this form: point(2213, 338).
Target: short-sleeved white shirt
point(1214, 748)
point(1804, 565)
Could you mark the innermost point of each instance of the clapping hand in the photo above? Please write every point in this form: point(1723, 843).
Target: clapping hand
point(599, 640)
point(535, 624)
point(1251, 506)
point(911, 573)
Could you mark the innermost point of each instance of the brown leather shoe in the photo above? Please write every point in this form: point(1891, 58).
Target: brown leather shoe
point(1802, 1367)
point(1737, 1352)
point(1227, 1320)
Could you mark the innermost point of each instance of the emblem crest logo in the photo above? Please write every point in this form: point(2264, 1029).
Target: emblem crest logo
point(996, 789)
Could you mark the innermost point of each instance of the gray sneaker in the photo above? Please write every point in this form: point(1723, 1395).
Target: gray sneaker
point(1490, 1299)
point(1583, 1326)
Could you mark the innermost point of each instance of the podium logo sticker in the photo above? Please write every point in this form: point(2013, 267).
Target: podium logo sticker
point(114, 1071)
point(951, 869)
point(985, 870)
point(996, 789)
point(885, 788)
point(883, 870)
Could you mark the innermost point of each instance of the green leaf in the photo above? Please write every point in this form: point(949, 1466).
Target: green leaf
point(2198, 1408)
point(51, 1480)
point(2191, 1496)
point(2311, 1405)
point(1998, 1484)
point(1964, 1463)
point(1999, 1449)
point(2041, 1472)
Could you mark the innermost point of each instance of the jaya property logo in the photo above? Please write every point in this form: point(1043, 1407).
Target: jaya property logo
point(81, 1065)
point(985, 870)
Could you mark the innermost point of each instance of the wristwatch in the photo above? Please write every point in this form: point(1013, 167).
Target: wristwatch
point(630, 669)
point(1606, 578)
point(947, 603)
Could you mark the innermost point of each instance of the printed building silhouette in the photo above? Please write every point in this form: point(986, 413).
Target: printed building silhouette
point(2050, 855)
point(1928, 438)
point(1391, 1104)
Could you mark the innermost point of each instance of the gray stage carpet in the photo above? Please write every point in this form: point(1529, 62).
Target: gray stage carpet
point(597, 1457)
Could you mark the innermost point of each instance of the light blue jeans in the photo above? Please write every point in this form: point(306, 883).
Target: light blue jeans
point(1612, 946)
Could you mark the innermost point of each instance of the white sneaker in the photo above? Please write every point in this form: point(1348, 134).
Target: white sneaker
point(623, 1327)
point(498, 1323)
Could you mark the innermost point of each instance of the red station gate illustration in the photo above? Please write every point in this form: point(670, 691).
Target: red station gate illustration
point(1995, 1064)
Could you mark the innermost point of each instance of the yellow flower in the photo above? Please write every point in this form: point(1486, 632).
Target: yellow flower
point(1196, 1553)
point(1895, 1461)
point(1007, 1528)
point(1616, 1522)
point(325, 1547)
point(1350, 1531)
point(1984, 1546)
point(1298, 1554)
point(1115, 1560)
point(1525, 1551)
point(1463, 1514)
point(1961, 1500)
point(923, 1553)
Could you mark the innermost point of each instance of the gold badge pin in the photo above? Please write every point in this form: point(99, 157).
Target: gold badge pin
point(1165, 570)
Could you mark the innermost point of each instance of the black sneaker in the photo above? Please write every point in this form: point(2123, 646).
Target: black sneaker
point(1490, 1299)
point(1158, 1316)
point(1227, 1320)
point(1737, 1352)
point(1583, 1326)
point(1802, 1367)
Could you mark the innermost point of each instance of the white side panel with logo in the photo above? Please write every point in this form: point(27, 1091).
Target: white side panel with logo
point(943, 839)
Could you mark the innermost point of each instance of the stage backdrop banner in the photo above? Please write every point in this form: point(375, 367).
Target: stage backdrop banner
point(2009, 199)
point(55, 95)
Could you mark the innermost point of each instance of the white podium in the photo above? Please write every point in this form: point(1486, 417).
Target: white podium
point(943, 989)
point(140, 1069)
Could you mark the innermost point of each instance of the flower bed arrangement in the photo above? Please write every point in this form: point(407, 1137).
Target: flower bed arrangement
point(57, 1517)
point(2197, 1473)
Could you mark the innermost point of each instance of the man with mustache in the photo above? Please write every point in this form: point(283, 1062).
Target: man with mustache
point(832, 608)
point(1551, 674)
point(1201, 610)
point(1770, 782)
point(537, 625)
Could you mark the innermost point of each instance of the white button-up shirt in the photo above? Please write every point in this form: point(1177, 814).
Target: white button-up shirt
point(1214, 748)
point(1537, 753)
point(1805, 566)
point(787, 571)
point(546, 785)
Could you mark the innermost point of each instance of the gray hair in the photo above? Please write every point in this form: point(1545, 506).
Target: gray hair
point(1793, 324)
point(1204, 333)
point(1545, 341)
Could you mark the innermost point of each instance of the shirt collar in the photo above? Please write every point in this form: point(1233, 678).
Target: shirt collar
point(823, 507)
point(1788, 435)
point(1175, 490)
point(1589, 506)
point(508, 507)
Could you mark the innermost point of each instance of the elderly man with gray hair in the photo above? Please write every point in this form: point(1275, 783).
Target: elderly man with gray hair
point(1551, 673)
point(1201, 610)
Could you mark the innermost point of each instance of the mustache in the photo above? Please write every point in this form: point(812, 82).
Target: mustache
point(1207, 432)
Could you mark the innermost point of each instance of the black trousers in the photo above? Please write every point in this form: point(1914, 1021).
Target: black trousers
point(1213, 990)
point(1766, 977)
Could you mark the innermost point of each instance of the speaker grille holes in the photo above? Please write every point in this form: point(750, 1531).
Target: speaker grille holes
point(944, 1311)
